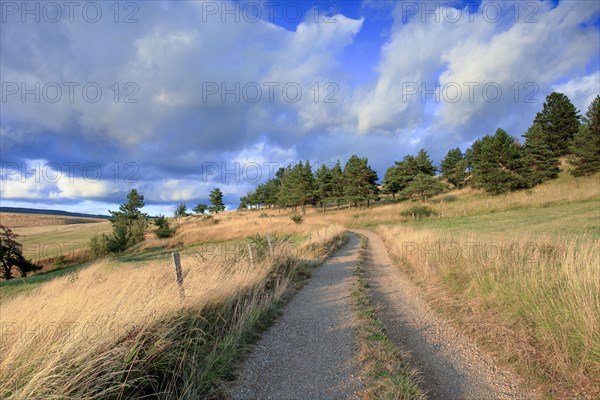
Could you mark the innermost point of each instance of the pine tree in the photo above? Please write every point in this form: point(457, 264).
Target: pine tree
point(244, 203)
point(540, 163)
point(559, 121)
point(297, 186)
point(406, 170)
point(454, 168)
point(337, 183)
point(284, 194)
point(129, 223)
point(471, 175)
point(360, 181)
point(323, 185)
point(271, 187)
point(216, 201)
point(200, 208)
point(586, 144)
point(180, 211)
point(497, 163)
point(424, 163)
point(398, 177)
point(423, 186)
point(305, 185)
point(391, 182)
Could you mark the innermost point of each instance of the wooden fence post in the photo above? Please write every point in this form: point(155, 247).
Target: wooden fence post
point(178, 275)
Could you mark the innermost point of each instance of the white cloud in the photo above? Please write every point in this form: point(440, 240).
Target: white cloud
point(423, 52)
point(163, 63)
point(76, 188)
point(166, 60)
point(28, 189)
point(581, 90)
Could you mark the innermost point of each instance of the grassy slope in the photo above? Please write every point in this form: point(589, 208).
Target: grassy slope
point(539, 312)
point(41, 242)
point(571, 219)
point(145, 341)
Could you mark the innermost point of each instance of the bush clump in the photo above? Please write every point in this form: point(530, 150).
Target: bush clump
point(163, 233)
point(418, 212)
point(297, 218)
point(164, 229)
point(98, 246)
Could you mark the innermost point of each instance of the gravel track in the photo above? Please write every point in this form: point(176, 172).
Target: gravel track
point(451, 366)
point(310, 351)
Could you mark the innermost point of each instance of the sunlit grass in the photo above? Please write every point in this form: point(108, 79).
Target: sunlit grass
point(117, 329)
point(535, 298)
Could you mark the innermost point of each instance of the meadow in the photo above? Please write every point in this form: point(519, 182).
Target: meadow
point(46, 237)
point(519, 272)
point(116, 328)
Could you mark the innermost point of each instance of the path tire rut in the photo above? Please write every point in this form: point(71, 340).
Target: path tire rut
point(451, 366)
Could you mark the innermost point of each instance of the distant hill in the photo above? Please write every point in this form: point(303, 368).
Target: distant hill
point(20, 210)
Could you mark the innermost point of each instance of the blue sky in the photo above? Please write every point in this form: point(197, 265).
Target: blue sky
point(176, 98)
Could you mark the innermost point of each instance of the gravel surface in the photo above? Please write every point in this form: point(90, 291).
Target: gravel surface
point(310, 351)
point(451, 366)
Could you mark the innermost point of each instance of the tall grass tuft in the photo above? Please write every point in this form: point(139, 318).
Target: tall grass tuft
point(534, 299)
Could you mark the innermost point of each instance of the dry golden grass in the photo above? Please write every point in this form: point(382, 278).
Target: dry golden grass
point(87, 335)
point(239, 225)
point(17, 220)
point(534, 299)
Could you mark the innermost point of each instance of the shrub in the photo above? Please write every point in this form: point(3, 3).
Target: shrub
point(98, 246)
point(418, 212)
point(263, 215)
point(59, 262)
point(163, 233)
point(161, 222)
point(164, 229)
point(449, 199)
point(297, 218)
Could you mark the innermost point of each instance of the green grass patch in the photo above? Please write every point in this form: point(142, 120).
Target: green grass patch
point(561, 219)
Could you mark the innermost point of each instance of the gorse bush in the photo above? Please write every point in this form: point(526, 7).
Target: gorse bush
point(297, 218)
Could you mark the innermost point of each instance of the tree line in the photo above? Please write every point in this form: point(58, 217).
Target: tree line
point(496, 163)
point(297, 187)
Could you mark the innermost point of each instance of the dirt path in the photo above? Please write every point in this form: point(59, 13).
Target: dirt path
point(309, 353)
point(451, 366)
